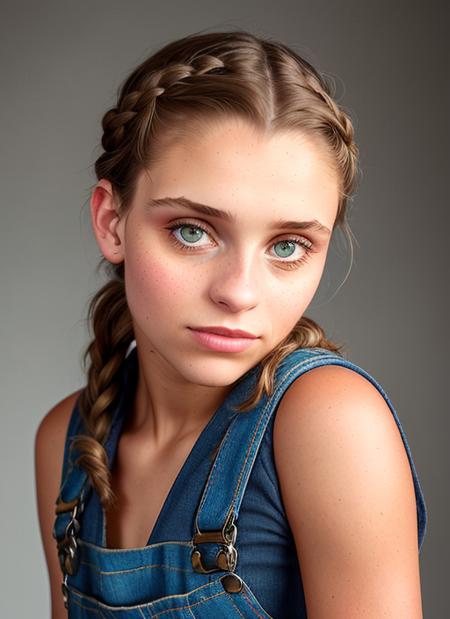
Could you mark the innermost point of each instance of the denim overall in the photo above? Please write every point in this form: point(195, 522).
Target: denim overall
point(222, 545)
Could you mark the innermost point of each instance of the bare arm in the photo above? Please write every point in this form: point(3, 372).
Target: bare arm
point(349, 496)
point(48, 458)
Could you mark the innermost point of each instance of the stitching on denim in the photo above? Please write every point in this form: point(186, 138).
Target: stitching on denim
point(235, 606)
point(94, 610)
point(141, 613)
point(103, 550)
point(251, 606)
point(209, 484)
point(135, 569)
point(255, 607)
point(191, 613)
point(274, 483)
point(145, 605)
point(189, 606)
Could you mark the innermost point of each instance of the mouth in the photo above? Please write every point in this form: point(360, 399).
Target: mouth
point(222, 343)
point(224, 331)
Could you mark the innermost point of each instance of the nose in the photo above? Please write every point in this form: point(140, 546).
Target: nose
point(236, 283)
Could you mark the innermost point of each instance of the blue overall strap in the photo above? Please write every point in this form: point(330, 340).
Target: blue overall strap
point(227, 481)
point(73, 479)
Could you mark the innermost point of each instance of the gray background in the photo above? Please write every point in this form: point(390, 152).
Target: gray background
point(61, 65)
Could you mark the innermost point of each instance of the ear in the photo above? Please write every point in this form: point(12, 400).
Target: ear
point(105, 219)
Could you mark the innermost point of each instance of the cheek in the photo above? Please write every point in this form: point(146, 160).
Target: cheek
point(152, 286)
point(289, 299)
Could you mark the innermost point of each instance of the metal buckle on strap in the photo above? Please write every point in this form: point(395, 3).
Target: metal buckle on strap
point(226, 557)
point(65, 592)
point(62, 506)
point(67, 545)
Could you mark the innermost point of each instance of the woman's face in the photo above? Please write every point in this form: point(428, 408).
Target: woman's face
point(188, 268)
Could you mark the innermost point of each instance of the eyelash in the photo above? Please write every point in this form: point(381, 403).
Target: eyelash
point(292, 264)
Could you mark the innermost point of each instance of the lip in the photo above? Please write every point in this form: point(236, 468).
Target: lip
point(222, 343)
point(238, 333)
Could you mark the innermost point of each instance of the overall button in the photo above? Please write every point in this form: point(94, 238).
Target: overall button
point(232, 583)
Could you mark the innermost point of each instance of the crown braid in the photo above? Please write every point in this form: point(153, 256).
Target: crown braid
point(136, 108)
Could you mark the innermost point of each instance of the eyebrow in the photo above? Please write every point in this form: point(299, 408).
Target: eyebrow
point(204, 209)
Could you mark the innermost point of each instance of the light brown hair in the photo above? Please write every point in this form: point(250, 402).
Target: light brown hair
point(181, 87)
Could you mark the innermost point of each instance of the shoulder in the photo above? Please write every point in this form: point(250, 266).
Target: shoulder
point(339, 401)
point(347, 394)
point(48, 461)
point(50, 440)
point(348, 492)
point(49, 445)
point(53, 426)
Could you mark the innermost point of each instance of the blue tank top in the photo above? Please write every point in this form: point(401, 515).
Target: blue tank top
point(221, 545)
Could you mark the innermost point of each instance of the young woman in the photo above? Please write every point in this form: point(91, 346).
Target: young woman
point(224, 459)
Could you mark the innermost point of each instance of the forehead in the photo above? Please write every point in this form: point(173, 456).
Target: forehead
point(236, 167)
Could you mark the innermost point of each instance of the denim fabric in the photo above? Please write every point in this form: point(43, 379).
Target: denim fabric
point(228, 477)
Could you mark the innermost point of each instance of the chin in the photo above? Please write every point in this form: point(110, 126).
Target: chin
point(217, 372)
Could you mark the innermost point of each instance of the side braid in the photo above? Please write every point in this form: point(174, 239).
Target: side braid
point(113, 332)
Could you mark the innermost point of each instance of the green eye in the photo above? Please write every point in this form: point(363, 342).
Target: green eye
point(191, 233)
point(287, 248)
point(192, 230)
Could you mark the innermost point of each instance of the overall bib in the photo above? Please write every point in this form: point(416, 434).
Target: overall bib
point(221, 546)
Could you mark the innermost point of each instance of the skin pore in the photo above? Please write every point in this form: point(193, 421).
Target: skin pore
point(236, 273)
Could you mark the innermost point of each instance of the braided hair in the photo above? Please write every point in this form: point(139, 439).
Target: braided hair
point(173, 92)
